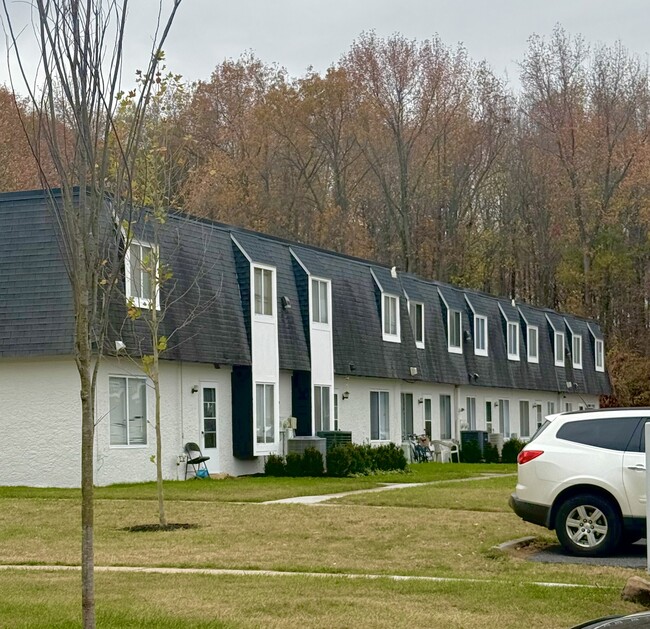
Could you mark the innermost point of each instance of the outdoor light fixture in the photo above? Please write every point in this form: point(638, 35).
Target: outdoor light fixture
point(346, 395)
point(195, 389)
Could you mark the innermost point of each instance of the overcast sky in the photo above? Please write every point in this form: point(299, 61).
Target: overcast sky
point(297, 34)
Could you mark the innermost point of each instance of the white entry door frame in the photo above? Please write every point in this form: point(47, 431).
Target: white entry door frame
point(209, 424)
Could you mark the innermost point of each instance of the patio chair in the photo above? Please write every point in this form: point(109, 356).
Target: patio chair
point(454, 449)
point(196, 459)
point(441, 453)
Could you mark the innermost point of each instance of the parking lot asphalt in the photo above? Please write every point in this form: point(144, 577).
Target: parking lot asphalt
point(632, 556)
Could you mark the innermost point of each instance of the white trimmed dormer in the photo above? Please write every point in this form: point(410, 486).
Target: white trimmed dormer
point(454, 327)
point(512, 336)
point(532, 340)
point(558, 344)
point(141, 274)
point(416, 317)
point(576, 347)
point(480, 331)
point(390, 314)
point(599, 350)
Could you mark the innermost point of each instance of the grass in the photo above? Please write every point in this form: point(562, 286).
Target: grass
point(443, 530)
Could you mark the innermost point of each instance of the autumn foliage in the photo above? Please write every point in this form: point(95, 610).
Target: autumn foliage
point(413, 154)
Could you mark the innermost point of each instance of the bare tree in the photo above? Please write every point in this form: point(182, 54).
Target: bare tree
point(74, 98)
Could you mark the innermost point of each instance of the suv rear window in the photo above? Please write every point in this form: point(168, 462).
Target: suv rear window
point(613, 433)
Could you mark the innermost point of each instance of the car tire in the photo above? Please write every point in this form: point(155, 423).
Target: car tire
point(588, 525)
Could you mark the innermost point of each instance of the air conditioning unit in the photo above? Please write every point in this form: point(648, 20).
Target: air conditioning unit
point(299, 444)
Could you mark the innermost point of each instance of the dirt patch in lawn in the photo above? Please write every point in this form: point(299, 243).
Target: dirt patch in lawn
point(148, 528)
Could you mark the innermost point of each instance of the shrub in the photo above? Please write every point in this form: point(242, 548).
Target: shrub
point(339, 460)
point(294, 464)
point(362, 458)
point(471, 452)
point(491, 453)
point(389, 457)
point(312, 462)
point(275, 466)
point(511, 449)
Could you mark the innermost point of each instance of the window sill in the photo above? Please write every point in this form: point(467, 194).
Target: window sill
point(126, 446)
point(391, 338)
point(454, 350)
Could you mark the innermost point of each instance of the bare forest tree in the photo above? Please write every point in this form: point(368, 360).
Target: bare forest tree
point(73, 101)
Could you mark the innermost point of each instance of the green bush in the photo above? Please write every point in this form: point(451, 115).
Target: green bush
point(470, 452)
point(312, 462)
point(389, 457)
point(339, 460)
point(491, 453)
point(362, 458)
point(275, 466)
point(294, 464)
point(511, 449)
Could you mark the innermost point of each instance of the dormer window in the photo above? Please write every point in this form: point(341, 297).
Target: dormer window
point(513, 340)
point(320, 301)
point(390, 318)
point(559, 349)
point(454, 343)
point(533, 343)
point(576, 353)
point(263, 289)
point(480, 335)
point(416, 314)
point(141, 274)
point(599, 350)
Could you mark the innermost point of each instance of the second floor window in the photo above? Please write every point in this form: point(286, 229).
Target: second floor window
point(600, 355)
point(480, 335)
point(141, 265)
point(390, 315)
point(559, 349)
point(416, 312)
point(513, 341)
point(576, 341)
point(454, 332)
point(533, 344)
point(319, 301)
point(263, 291)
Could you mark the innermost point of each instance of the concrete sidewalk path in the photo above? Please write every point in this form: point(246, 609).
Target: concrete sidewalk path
point(313, 500)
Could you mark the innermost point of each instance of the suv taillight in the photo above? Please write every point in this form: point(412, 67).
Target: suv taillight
point(528, 455)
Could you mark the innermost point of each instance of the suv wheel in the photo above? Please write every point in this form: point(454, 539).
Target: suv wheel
point(588, 525)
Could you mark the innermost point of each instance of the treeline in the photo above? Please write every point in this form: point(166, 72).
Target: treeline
point(413, 154)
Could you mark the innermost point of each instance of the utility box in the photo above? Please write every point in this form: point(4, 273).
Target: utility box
point(335, 437)
point(298, 445)
point(479, 437)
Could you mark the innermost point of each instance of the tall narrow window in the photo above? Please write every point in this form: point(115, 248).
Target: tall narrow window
point(538, 414)
point(504, 417)
point(428, 417)
point(576, 353)
point(320, 301)
point(209, 416)
point(141, 266)
point(390, 315)
point(513, 340)
point(480, 335)
point(559, 349)
point(524, 418)
point(321, 408)
point(533, 343)
point(336, 411)
point(263, 291)
point(416, 313)
point(128, 411)
point(488, 416)
point(471, 412)
point(550, 408)
point(379, 416)
point(454, 332)
point(600, 355)
point(445, 416)
point(407, 415)
point(568, 407)
point(265, 415)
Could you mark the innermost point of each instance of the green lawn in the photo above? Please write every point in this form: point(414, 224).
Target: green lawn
point(447, 529)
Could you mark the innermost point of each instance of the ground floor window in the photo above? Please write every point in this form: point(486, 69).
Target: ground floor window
point(550, 408)
point(209, 395)
point(470, 408)
point(265, 402)
point(504, 417)
point(488, 416)
point(321, 408)
point(407, 415)
point(379, 416)
point(445, 416)
point(524, 418)
point(128, 411)
point(428, 417)
point(336, 411)
point(538, 413)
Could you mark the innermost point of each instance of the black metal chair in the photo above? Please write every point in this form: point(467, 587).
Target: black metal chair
point(196, 459)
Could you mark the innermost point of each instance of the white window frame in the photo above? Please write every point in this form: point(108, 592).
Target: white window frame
point(559, 360)
point(142, 302)
point(550, 408)
point(470, 412)
point(315, 302)
point(266, 385)
point(325, 393)
point(532, 358)
point(455, 349)
point(128, 443)
point(599, 352)
point(504, 417)
point(512, 355)
point(386, 319)
point(524, 404)
point(576, 356)
point(382, 436)
point(480, 351)
point(413, 307)
point(264, 269)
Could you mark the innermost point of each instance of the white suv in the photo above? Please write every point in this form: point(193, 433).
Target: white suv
point(583, 474)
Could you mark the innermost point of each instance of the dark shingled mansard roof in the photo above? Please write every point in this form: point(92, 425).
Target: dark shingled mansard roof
point(207, 259)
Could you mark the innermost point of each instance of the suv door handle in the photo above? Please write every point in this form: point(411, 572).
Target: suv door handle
point(637, 468)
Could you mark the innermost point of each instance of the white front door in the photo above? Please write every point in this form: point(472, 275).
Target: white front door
point(208, 415)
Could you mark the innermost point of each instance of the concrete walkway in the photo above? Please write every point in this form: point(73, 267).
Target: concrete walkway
point(277, 573)
point(313, 500)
